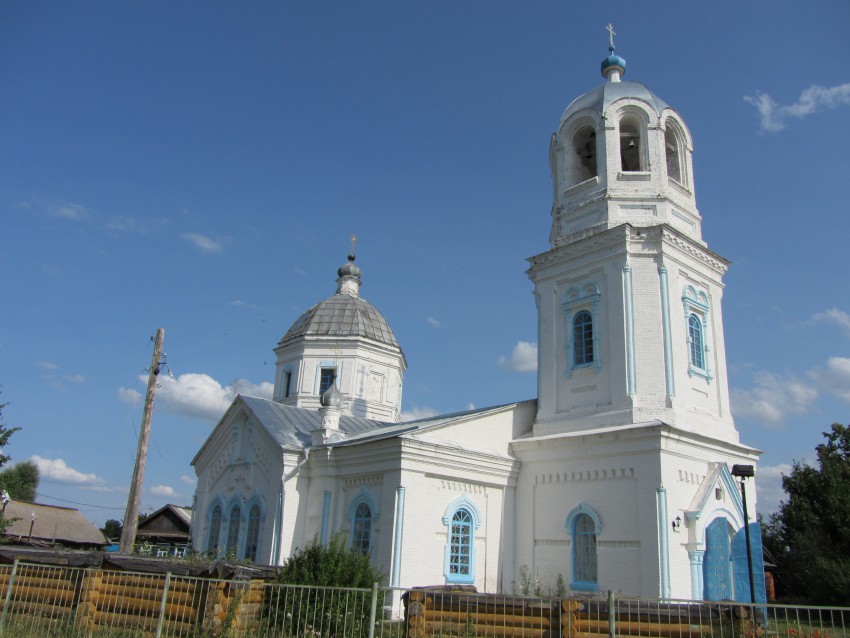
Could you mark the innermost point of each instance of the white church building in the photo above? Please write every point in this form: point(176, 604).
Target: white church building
point(616, 477)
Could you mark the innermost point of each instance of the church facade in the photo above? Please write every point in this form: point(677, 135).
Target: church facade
point(616, 477)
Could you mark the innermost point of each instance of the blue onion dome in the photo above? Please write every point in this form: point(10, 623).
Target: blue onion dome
point(331, 398)
point(613, 63)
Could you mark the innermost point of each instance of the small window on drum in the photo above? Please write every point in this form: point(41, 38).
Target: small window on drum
point(673, 151)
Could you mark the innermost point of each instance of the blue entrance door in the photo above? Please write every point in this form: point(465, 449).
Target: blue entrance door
point(741, 567)
point(716, 566)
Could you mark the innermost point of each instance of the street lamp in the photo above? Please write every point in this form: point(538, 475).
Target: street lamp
point(744, 472)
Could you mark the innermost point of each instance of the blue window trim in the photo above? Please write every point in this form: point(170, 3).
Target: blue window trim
point(322, 365)
point(696, 305)
point(255, 501)
point(579, 299)
point(214, 543)
point(582, 338)
point(235, 544)
point(255, 522)
point(363, 497)
point(581, 510)
point(460, 504)
point(697, 342)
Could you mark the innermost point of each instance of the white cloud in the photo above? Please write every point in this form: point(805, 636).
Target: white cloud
point(56, 470)
point(78, 379)
point(772, 398)
point(163, 490)
point(769, 490)
point(414, 414)
point(69, 211)
point(811, 100)
point(129, 395)
point(48, 365)
point(522, 359)
point(434, 323)
point(203, 243)
point(836, 317)
point(835, 378)
point(202, 397)
point(188, 480)
point(123, 223)
point(470, 406)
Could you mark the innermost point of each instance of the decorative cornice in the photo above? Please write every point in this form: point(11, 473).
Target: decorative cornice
point(701, 253)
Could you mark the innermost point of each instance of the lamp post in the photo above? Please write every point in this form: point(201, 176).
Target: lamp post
point(744, 472)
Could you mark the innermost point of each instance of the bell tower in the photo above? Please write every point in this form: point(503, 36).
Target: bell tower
point(630, 327)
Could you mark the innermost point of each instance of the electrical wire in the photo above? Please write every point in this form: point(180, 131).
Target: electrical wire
point(104, 507)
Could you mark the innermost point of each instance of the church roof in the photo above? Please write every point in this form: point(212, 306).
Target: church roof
point(342, 315)
point(291, 426)
point(600, 98)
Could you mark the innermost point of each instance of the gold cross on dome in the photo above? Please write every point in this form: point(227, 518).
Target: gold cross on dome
point(353, 243)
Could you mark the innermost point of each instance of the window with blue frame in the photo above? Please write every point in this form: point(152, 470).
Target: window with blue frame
point(252, 536)
point(584, 527)
point(582, 338)
point(233, 529)
point(581, 308)
point(697, 345)
point(697, 313)
point(361, 533)
point(326, 379)
point(460, 546)
point(584, 550)
point(215, 529)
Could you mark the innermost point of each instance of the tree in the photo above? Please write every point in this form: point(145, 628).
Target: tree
point(21, 481)
point(313, 611)
point(111, 529)
point(810, 534)
point(5, 434)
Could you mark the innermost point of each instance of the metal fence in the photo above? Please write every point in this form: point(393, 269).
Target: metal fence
point(42, 600)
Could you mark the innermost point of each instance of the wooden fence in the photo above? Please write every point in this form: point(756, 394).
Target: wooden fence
point(437, 613)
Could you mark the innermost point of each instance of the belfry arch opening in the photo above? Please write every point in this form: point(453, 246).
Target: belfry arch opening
point(631, 145)
point(673, 152)
point(585, 161)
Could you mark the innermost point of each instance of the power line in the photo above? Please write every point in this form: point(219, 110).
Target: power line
point(105, 507)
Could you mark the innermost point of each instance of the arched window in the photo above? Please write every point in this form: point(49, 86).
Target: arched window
point(631, 145)
point(461, 519)
point(363, 515)
point(673, 152)
point(215, 528)
point(697, 345)
point(252, 537)
point(233, 529)
point(583, 338)
point(698, 332)
point(584, 549)
point(584, 145)
point(584, 527)
point(361, 533)
point(460, 544)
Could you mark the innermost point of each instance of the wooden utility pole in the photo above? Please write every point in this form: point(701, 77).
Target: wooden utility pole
point(131, 516)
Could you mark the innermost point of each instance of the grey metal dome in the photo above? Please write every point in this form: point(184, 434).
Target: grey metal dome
point(600, 98)
point(331, 398)
point(342, 316)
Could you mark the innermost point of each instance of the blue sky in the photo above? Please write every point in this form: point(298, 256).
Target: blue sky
point(200, 166)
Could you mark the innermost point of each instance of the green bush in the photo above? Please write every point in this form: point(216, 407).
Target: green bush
point(307, 607)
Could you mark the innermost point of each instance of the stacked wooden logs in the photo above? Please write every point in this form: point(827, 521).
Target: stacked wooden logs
point(431, 613)
point(445, 613)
